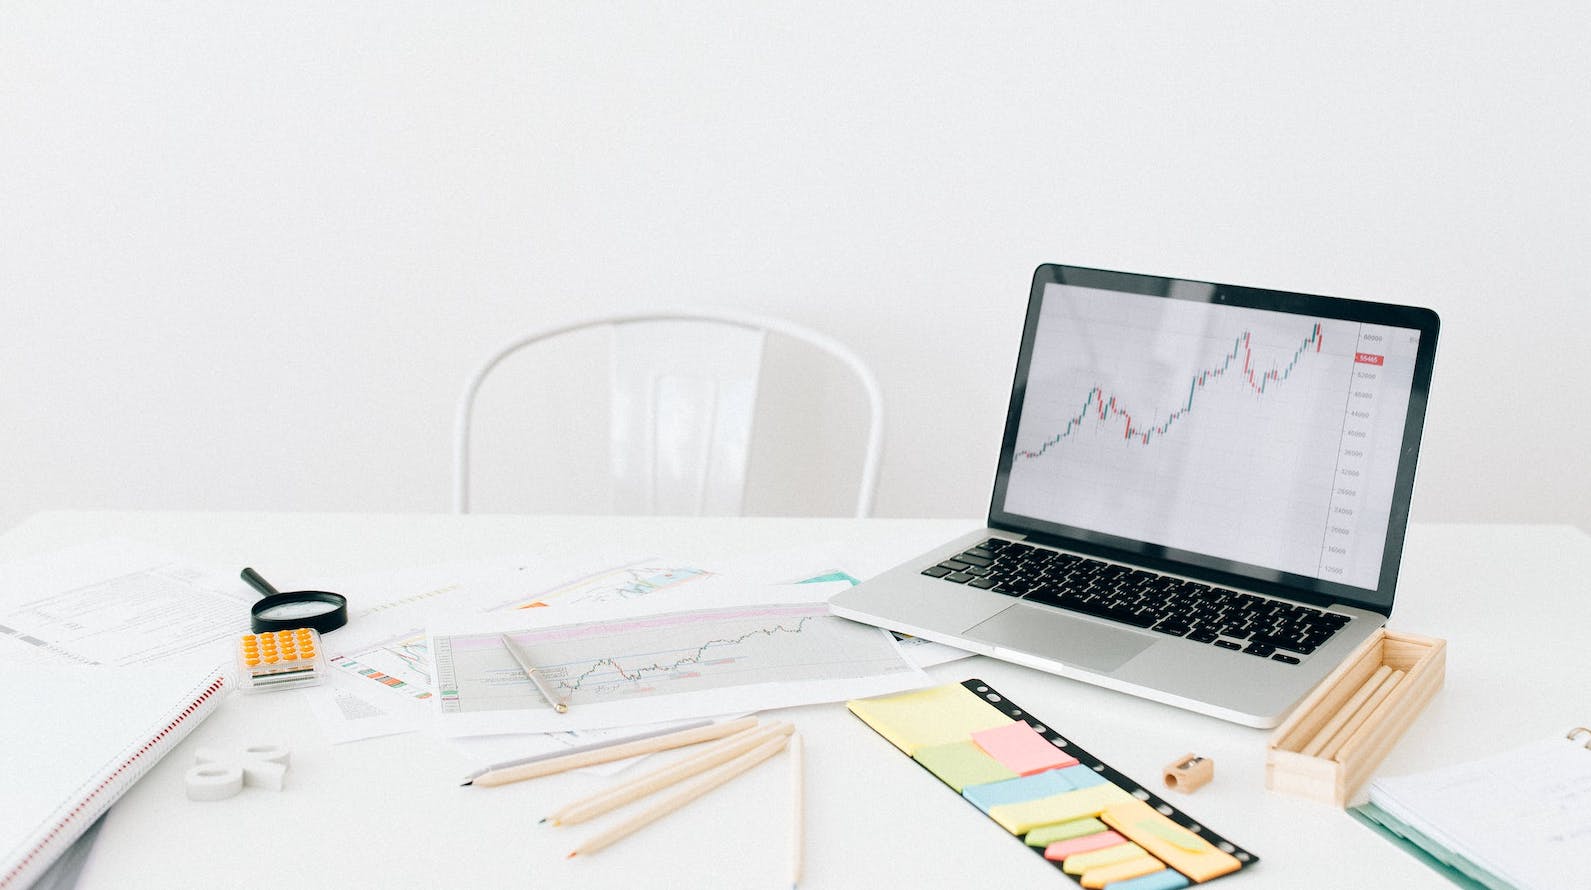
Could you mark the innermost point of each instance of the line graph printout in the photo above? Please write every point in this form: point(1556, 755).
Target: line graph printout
point(632, 580)
point(628, 668)
point(1261, 437)
point(401, 664)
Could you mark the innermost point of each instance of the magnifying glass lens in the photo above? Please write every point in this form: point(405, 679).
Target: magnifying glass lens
point(296, 610)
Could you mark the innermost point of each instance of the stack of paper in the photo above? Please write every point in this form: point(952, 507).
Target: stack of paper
point(631, 644)
point(1521, 819)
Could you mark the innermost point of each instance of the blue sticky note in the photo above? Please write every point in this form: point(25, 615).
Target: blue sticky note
point(1026, 788)
point(1160, 880)
point(1081, 776)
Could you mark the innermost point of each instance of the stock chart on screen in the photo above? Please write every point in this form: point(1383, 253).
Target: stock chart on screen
point(1262, 437)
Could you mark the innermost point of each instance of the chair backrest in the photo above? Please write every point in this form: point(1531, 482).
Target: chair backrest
point(684, 390)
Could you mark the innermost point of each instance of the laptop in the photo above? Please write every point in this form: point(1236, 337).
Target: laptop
point(1201, 495)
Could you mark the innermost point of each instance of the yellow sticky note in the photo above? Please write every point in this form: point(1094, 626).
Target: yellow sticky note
point(939, 715)
point(1121, 871)
point(1181, 849)
point(1020, 818)
point(1083, 863)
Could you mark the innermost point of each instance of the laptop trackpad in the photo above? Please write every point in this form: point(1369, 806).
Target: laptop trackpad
point(1060, 637)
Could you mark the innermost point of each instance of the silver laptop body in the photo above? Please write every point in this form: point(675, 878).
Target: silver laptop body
point(1201, 494)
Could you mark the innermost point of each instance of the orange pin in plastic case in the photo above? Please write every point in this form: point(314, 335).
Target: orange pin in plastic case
point(280, 659)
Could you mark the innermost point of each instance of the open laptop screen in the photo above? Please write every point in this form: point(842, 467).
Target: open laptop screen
point(1264, 435)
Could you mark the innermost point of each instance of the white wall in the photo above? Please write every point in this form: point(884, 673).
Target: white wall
point(249, 252)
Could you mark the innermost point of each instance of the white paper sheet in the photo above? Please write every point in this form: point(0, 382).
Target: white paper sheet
point(694, 654)
point(380, 663)
point(117, 602)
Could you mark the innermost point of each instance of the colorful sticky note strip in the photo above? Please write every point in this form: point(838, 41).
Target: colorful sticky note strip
point(1020, 747)
point(935, 716)
point(1017, 790)
point(960, 764)
point(1045, 835)
point(1067, 805)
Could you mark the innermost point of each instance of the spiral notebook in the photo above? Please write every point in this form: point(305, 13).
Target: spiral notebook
point(1520, 819)
point(74, 739)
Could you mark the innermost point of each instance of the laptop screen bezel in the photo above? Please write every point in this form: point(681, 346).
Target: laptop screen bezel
point(1210, 569)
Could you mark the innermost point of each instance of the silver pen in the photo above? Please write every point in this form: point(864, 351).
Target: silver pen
point(535, 678)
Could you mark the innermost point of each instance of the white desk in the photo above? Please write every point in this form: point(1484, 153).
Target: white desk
point(390, 813)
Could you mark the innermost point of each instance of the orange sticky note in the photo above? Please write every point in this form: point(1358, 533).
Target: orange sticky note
point(1022, 749)
point(1181, 849)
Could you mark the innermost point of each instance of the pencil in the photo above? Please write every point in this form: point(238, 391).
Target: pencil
point(1350, 728)
point(576, 749)
point(797, 810)
point(1345, 712)
point(534, 676)
point(619, 751)
point(612, 798)
point(685, 795)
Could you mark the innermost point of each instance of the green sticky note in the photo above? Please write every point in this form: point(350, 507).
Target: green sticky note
point(1045, 835)
point(960, 764)
point(937, 715)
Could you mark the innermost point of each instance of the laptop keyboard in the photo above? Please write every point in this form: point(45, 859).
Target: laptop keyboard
point(1230, 619)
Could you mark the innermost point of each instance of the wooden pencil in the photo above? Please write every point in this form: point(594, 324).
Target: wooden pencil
point(612, 798)
point(797, 810)
point(1346, 712)
point(1365, 710)
point(685, 795)
point(619, 751)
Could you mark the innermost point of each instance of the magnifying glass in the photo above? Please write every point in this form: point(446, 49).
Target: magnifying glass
point(317, 609)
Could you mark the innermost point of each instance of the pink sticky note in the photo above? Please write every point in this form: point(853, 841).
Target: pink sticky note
point(1021, 750)
point(1059, 850)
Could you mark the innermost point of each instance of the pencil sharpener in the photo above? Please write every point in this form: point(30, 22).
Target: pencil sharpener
point(1189, 773)
point(282, 659)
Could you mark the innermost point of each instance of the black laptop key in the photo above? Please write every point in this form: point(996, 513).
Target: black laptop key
point(1203, 635)
point(1260, 649)
point(1227, 644)
point(1285, 659)
point(1171, 628)
point(959, 577)
point(974, 559)
point(955, 565)
point(984, 552)
point(1105, 610)
point(981, 583)
point(936, 571)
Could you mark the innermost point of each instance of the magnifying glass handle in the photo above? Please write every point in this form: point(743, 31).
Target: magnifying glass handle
point(255, 581)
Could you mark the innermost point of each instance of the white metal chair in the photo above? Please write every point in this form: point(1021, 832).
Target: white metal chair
point(683, 398)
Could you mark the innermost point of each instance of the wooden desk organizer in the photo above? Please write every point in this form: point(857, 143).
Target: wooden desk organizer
point(1347, 725)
